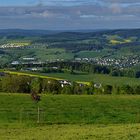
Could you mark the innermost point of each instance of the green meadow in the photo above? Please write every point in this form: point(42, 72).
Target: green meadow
point(98, 78)
point(66, 109)
point(71, 132)
point(66, 117)
point(83, 77)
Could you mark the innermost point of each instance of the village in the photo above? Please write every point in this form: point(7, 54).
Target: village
point(123, 62)
point(13, 45)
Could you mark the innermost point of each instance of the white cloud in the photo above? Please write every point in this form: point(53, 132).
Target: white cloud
point(74, 13)
point(116, 8)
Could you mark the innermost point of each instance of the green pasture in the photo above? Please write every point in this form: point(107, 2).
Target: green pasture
point(97, 78)
point(84, 78)
point(71, 132)
point(64, 109)
point(67, 117)
point(94, 54)
point(41, 53)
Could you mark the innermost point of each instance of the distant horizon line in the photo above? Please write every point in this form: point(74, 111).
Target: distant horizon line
point(69, 29)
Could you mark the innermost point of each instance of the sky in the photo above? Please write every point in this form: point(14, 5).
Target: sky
point(69, 14)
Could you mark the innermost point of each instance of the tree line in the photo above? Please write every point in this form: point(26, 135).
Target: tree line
point(26, 84)
point(94, 68)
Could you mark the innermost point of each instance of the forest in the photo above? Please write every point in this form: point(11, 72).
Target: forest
point(26, 84)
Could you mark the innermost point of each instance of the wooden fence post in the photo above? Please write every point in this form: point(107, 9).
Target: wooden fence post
point(38, 115)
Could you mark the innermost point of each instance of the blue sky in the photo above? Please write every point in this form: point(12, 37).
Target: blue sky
point(69, 14)
point(46, 2)
point(16, 2)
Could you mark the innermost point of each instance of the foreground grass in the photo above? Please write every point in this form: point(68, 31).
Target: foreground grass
point(66, 109)
point(71, 132)
point(66, 117)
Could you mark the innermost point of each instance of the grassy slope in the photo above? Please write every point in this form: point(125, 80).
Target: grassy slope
point(93, 117)
point(42, 54)
point(72, 132)
point(99, 78)
point(65, 109)
point(91, 54)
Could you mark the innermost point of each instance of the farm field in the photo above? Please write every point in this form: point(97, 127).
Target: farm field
point(66, 117)
point(41, 54)
point(71, 132)
point(83, 77)
point(66, 109)
point(98, 78)
point(70, 45)
point(93, 54)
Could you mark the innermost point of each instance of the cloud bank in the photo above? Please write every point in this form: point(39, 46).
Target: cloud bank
point(71, 14)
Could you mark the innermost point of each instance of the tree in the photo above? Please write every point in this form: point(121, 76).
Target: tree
point(137, 89)
point(53, 87)
point(35, 85)
point(138, 74)
point(108, 89)
point(126, 89)
point(71, 70)
point(78, 89)
point(16, 84)
point(67, 90)
point(0, 85)
point(35, 89)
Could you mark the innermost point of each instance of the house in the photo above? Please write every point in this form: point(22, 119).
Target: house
point(97, 85)
point(28, 59)
point(64, 83)
point(81, 85)
point(15, 63)
point(34, 69)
